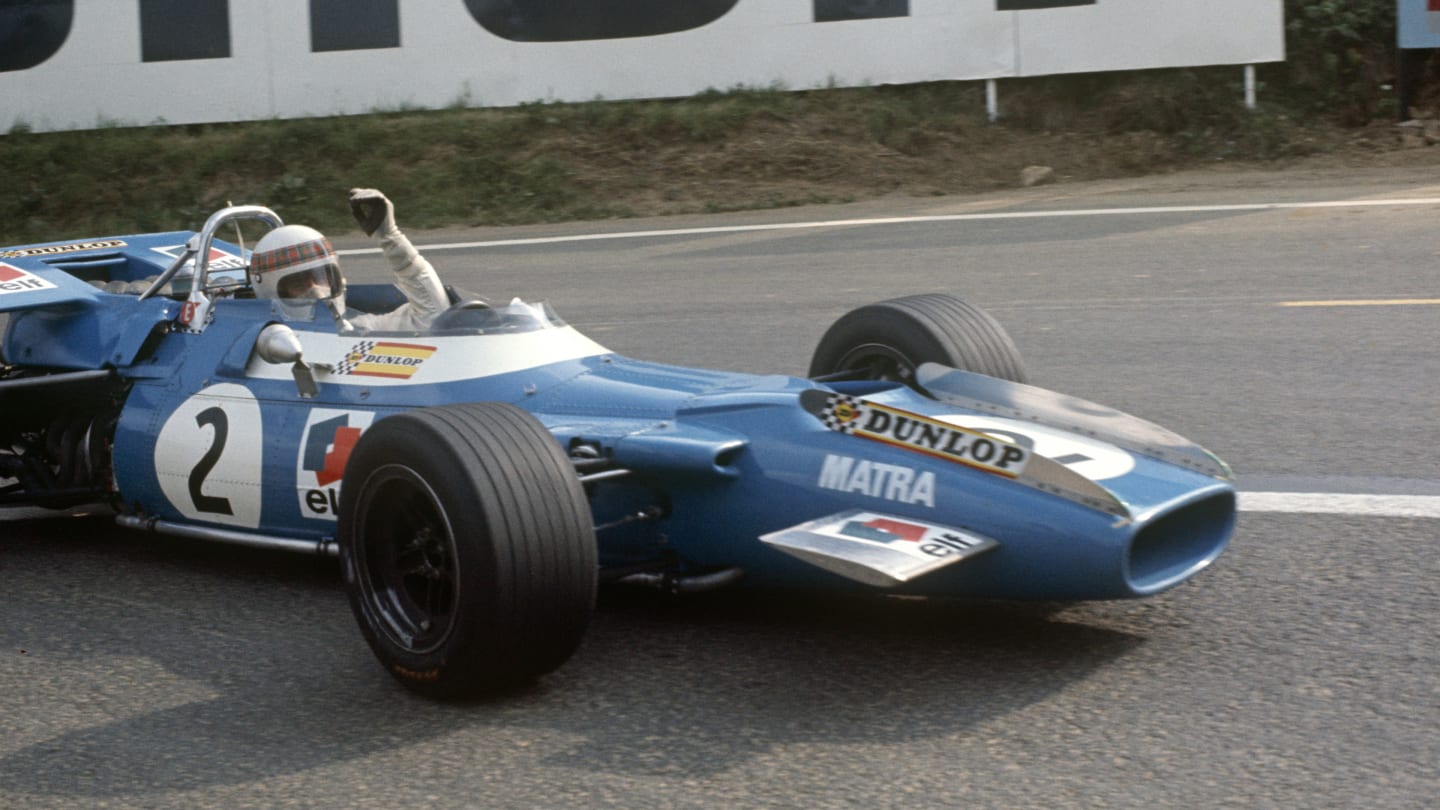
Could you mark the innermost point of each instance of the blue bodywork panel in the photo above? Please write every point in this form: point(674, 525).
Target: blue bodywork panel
point(726, 466)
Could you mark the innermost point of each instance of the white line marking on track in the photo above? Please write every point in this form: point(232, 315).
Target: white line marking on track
point(850, 223)
point(1340, 503)
point(1363, 302)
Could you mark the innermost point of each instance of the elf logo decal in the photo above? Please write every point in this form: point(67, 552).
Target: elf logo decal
point(884, 530)
point(396, 361)
point(329, 437)
point(15, 280)
point(222, 268)
point(208, 457)
point(898, 534)
point(327, 449)
point(219, 259)
point(892, 482)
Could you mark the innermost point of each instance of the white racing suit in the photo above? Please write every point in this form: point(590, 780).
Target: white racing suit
point(416, 278)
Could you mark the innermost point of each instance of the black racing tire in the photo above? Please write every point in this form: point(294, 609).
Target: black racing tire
point(468, 548)
point(890, 339)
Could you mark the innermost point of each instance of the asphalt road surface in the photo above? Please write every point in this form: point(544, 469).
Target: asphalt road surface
point(1298, 341)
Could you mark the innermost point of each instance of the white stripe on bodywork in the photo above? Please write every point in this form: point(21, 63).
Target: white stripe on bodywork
point(456, 357)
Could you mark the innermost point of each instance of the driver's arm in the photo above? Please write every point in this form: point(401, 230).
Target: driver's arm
point(413, 274)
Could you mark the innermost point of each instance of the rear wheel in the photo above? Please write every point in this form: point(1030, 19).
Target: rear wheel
point(468, 548)
point(889, 340)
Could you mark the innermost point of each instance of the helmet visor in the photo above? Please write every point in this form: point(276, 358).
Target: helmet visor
point(314, 283)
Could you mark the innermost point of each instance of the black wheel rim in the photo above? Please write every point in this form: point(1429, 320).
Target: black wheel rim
point(405, 559)
point(878, 361)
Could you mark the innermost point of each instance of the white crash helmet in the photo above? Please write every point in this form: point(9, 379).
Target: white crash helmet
point(295, 262)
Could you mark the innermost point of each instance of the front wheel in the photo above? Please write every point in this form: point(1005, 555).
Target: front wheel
point(468, 548)
point(889, 340)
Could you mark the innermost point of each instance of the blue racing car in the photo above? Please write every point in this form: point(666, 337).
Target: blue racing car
point(480, 478)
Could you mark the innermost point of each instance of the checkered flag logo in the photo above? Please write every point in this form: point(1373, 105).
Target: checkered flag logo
point(354, 357)
point(842, 413)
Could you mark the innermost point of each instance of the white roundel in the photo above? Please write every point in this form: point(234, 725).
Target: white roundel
point(1093, 459)
point(208, 457)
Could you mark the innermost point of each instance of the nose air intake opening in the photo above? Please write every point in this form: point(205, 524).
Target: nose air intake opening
point(1177, 545)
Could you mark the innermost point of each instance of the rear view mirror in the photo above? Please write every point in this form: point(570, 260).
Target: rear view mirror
point(277, 344)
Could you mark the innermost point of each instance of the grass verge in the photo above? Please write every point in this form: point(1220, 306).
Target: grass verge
point(719, 151)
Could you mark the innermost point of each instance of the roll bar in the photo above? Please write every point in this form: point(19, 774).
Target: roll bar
point(198, 246)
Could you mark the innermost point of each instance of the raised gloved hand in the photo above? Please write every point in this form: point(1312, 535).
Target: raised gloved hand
point(372, 210)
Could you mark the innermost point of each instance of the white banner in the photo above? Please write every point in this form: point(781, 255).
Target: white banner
point(68, 64)
point(1418, 23)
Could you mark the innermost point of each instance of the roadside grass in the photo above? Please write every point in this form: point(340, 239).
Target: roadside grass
point(743, 148)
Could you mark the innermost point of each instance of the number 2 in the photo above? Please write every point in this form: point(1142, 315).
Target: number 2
point(213, 417)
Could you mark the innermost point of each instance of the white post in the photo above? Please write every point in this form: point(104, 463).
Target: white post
point(1249, 87)
point(992, 101)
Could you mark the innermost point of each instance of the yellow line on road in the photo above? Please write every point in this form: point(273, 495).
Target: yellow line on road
point(1377, 302)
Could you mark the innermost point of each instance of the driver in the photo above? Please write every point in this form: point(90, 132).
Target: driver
point(295, 263)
